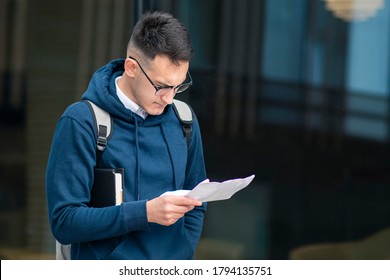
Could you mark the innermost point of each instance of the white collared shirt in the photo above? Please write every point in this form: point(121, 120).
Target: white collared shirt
point(128, 103)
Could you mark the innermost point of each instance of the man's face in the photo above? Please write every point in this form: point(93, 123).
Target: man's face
point(162, 72)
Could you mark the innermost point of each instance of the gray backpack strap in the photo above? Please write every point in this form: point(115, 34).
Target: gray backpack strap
point(103, 125)
point(62, 251)
point(186, 116)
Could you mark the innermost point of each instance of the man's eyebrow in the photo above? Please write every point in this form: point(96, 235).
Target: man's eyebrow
point(159, 84)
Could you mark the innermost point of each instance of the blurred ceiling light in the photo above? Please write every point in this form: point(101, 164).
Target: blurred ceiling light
point(354, 10)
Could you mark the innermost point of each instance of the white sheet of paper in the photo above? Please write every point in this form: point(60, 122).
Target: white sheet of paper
point(207, 191)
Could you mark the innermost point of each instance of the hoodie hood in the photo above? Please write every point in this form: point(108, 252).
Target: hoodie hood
point(102, 91)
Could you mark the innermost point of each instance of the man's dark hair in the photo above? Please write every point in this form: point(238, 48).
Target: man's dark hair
point(159, 33)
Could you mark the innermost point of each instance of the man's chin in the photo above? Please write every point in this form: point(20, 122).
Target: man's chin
point(156, 111)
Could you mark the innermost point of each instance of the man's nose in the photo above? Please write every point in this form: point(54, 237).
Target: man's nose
point(168, 97)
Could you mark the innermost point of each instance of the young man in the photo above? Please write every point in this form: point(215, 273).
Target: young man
point(147, 142)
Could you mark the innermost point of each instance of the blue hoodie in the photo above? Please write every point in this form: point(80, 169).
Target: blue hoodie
point(154, 155)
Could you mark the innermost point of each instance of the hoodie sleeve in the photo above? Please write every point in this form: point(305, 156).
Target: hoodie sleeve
point(195, 173)
point(69, 179)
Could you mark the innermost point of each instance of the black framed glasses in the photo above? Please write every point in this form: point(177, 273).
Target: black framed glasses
point(161, 90)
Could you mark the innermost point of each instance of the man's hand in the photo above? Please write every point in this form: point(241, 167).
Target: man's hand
point(166, 210)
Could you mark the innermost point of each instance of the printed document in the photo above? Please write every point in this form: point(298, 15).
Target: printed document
point(207, 191)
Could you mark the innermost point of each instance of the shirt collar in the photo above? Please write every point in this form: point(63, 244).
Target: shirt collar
point(128, 103)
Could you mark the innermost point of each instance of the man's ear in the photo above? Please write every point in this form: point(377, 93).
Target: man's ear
point(130, 67)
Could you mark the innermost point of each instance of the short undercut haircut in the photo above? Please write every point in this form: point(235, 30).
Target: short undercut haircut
point(159, 33)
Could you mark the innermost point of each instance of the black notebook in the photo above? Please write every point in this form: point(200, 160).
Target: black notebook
point(107, 189)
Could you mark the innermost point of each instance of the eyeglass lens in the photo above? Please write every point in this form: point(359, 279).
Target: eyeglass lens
point(177, 89)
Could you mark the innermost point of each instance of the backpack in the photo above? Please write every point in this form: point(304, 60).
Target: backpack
point(103, 124)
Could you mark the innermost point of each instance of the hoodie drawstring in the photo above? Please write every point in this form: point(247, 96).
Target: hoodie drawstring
point(170, 155)
point(137, 178)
